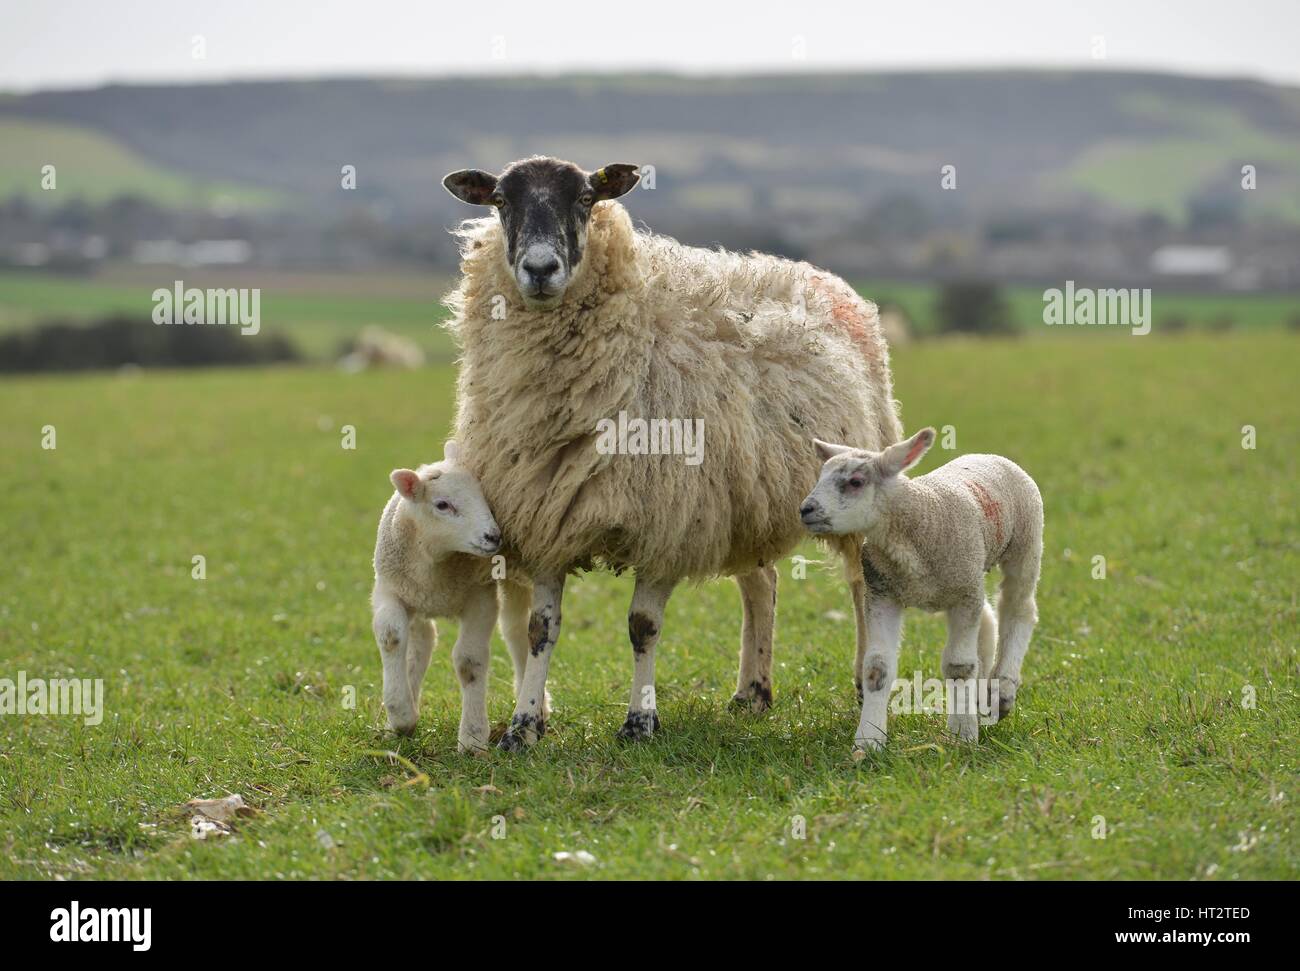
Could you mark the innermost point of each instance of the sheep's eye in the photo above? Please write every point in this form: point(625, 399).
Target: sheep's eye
point(500, 202)
point(856, 482)
point(442, 505)
point(586, 199)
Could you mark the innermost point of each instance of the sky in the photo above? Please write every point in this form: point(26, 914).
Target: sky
point(80, 43)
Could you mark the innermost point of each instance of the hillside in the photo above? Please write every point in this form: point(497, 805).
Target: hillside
point(819, 145)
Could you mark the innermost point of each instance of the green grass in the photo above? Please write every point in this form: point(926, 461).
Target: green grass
point(1161, 175)
point(95, 167)
point(318, 321)
point(237, 683)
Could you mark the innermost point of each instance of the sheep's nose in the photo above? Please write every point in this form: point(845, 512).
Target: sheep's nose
point(806, 510)
point(540, 266)
point(492, 538)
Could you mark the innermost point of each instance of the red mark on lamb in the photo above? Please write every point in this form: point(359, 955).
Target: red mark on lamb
point(989, 506)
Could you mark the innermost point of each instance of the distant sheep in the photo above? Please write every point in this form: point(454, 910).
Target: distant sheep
point(928, 542)
point(434, 536)
point(568, 318)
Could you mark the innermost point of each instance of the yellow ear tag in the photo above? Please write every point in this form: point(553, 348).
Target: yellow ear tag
point(600, 174)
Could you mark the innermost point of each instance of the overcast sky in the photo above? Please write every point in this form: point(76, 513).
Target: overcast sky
point(64, 43)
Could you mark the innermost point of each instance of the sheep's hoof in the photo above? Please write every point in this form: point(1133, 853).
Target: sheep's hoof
point(640, 725)
point(757, 697)
point(1006, 697)
point(524, 731)
point(965, 727)
point(403, 724)
point(857, 687)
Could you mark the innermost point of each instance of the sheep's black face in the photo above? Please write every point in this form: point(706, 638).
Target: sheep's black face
point(544, 205)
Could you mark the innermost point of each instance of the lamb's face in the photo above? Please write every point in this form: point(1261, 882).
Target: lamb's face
point(451, 508)
point(845, 497)
point(850, 495)
point(544, 205)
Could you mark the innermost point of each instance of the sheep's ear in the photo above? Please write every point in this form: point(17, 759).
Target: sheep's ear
point(614, 180)
point(471, 185)
point(826, 451)
point(901, 457)
point(406, 482)
point(451, 451)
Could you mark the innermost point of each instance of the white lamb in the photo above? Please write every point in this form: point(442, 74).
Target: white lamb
point(431, 561)
point(928, 542)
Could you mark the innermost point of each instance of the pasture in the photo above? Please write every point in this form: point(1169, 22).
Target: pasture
point(1156, 735)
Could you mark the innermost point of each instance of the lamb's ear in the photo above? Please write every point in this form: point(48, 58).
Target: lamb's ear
point(826, 451)
point(451, 451)
point(471, 185)
point(614, 180)
point(901, 457)
point(406, 482)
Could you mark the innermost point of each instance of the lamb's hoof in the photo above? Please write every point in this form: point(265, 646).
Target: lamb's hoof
point(863, 745)
point(523, 732)
point(857, 689)
point(471, 744)
point(1006, 698)
point(403, 724)
point(640, 725)
point(757, 697)
point(965, 727)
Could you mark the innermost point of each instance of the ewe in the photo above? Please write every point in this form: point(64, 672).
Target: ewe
point(430, 561)
point(927, 542)
point(570, 319)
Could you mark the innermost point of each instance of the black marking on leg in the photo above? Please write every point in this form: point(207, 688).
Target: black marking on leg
point(639, 726)
point(641, 629)
point(857, 686)
point(521, 726)
point(539, 632)
point(875, 674)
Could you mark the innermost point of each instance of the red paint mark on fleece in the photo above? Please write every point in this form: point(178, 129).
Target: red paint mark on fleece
point(988, 505)
point(846, 311)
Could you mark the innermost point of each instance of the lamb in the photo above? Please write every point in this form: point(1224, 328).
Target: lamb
point(927, 542)
point(569, 319)
point(430, 561)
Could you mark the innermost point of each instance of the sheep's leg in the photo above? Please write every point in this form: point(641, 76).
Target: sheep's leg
point(391, 623)
point(879, 669)
point(420, 638)
point(470, 659)
point(645, 619)
point(859, 590)
point(516, 600)
point(1017, 615)
point(988, 646)
point(961, 670)
point(757, 627)
point(528, 723)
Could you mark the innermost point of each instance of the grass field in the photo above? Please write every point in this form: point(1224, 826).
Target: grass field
point(318, 311)
point(1132, 708)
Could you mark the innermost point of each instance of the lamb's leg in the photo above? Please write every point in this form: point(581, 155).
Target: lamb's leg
point(516, 600)
point(470, 659)
point(645, 619)
point(528, 723)
point(859, 590)
point(961, 669)
point(879, 669)
point(1017, 614)
point(757, 627)
point(391, 623)
point(988, 646)
point(420, 638)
